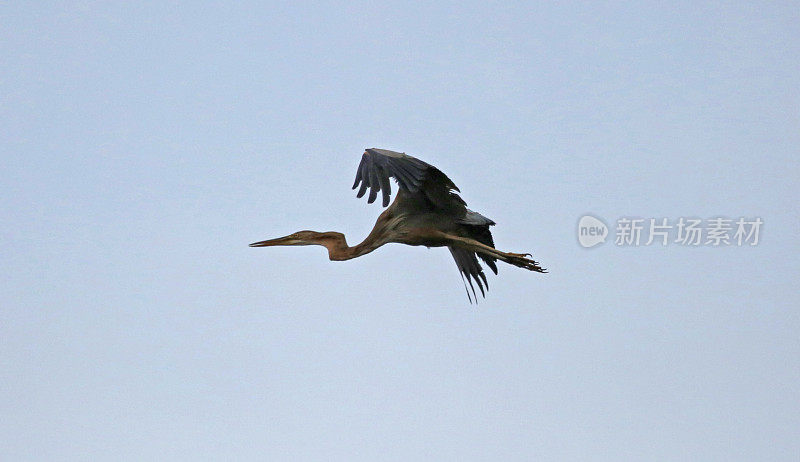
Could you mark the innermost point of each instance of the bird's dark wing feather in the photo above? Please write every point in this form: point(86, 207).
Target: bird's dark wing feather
point(470, 269)
point(412, 175)
point(478, 229)
point(475, 219)
point(475, 226)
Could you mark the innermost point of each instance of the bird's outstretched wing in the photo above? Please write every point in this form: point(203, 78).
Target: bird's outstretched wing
point(412, 175)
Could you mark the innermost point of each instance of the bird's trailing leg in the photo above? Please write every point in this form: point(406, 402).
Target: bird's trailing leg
point(520, 260)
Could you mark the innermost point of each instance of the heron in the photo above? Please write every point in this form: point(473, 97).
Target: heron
point(426, 210)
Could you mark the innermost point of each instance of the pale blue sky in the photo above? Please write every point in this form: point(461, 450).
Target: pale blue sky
point(144, 146)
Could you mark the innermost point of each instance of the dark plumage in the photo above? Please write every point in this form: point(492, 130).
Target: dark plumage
point(427, 210)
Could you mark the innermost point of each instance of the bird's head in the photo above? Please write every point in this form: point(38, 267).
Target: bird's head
point(300, 238)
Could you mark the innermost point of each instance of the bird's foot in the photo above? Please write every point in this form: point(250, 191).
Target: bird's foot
point(520, 260)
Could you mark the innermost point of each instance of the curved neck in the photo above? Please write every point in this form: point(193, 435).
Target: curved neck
point(338, 250)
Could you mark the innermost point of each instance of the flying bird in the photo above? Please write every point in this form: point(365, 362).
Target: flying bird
point(426, 211)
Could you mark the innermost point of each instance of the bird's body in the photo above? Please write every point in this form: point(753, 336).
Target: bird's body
point(426, 211)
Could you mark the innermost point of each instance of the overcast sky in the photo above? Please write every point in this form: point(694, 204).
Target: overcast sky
point(145, 145)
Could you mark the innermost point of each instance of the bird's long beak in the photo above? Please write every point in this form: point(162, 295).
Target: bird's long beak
point(287, 240)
